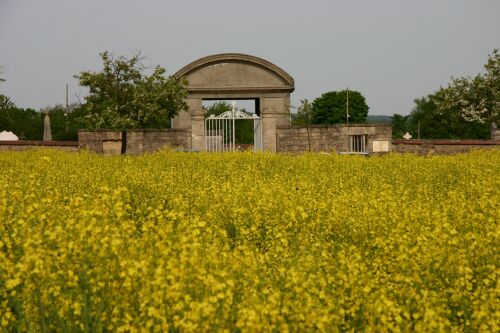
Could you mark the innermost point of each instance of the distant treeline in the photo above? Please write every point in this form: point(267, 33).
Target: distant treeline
point(27, 124)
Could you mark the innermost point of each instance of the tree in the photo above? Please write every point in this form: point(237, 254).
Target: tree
point(27, 124)
point(331, 108)
point(5, 101)
point(217, 109)
point(399, 125)
point(444, 123)
point(304, 111)
point(477, 99)
point(122, 96)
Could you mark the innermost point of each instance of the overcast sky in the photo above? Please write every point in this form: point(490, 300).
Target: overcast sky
point(392, 51)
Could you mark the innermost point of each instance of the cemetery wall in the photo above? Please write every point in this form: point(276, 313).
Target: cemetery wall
point(442, 147)
point(290, 139)
point(332, 138)
point(28, 144)
point(133, 142)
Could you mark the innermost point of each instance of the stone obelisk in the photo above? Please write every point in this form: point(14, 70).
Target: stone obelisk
point(47, 133)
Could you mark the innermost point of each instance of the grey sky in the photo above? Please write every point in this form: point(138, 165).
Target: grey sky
point(391, 50)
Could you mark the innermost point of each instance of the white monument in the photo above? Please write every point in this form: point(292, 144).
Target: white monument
point(47, 133)
point(8, 136)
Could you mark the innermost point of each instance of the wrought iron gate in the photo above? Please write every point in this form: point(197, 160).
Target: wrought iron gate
point(220, 131)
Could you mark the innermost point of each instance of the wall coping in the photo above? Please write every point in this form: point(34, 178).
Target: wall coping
point(334, 125)
point(136, 130)
point(40, 143)
point(445, 142)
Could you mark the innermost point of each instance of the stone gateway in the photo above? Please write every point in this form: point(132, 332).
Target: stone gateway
point(236, 76)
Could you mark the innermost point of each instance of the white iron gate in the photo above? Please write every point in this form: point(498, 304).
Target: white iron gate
point(220, 131)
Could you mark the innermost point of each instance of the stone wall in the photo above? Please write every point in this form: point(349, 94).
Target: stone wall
point(495, 134)
point(27, 144)
point(442, 147)
point(328, 138)
point(101, 141)
point(133, 142)
point(148, 141)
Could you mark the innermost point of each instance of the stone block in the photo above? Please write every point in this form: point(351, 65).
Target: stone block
point(111, 147)
point(358, 130)
point(380, 146)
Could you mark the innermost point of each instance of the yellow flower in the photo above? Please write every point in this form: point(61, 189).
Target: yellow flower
point(249, 242)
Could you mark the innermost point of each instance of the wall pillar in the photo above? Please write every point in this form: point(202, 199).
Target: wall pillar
point(495, 133)
point(197, 123)
point(274, 112)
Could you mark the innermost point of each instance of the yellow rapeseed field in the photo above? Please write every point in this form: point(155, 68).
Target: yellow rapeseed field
point(249, 242)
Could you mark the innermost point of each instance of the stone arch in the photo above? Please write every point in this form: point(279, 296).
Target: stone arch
point(236, 76)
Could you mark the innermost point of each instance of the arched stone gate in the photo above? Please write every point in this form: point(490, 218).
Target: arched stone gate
point(236, 76)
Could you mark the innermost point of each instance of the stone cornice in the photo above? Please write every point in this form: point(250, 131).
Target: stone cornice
point(236, 90)
point(241, 58)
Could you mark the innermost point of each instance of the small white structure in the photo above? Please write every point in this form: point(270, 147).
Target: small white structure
point(407, 136)
point(8, 136)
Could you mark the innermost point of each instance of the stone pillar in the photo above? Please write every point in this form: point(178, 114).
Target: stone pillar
point(197, 123)
point(47, 132)
point(495, 132)
point(135, 143)
point(274, 112)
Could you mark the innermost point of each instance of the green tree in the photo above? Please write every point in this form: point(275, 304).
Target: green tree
point(122, 96)
point(445, 123)
point(476, 99)
point(27, 124)
point(331, 108)
point(217, 109)
point(303, 116)
point(6, 102)
point(399, 125)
